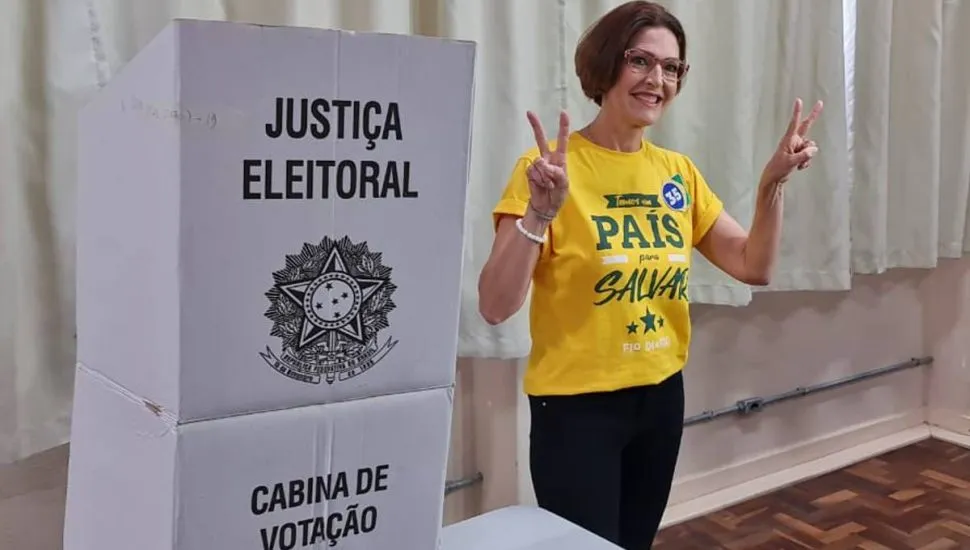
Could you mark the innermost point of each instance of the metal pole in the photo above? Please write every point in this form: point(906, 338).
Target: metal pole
point(459, 484)
point(757, 404)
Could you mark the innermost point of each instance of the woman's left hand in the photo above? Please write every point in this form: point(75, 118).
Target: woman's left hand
point(796, 150)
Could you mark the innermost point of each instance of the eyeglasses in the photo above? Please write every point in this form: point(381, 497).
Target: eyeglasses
point(673, 69)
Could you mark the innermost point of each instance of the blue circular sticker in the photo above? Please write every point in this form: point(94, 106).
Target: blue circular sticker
point(674, 196)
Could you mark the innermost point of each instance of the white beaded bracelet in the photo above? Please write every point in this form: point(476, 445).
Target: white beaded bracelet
point(528, 234)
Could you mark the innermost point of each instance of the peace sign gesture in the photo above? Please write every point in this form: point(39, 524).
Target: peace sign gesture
point(795, 149)
point(548, 182)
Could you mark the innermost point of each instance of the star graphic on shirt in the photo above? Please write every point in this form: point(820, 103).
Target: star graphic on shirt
point(651, 322)
point(632, 328)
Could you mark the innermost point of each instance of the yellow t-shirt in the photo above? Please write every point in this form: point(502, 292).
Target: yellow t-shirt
point(609, 295)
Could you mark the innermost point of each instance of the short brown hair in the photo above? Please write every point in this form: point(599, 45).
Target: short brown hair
point(600, 52)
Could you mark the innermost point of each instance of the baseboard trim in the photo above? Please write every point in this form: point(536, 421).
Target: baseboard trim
point(689, 488)
point(950, 437)
point(827, 454)
point(949, 420)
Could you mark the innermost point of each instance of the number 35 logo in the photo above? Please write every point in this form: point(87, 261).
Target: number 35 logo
point(675, 196)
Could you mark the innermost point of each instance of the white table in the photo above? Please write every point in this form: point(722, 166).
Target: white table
point(519, 528)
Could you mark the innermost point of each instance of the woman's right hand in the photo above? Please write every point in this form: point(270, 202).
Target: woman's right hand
point(548, 180)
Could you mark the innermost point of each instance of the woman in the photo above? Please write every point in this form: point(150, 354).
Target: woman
point(602, 223)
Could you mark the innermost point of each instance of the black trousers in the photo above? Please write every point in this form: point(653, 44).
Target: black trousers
point(605, 461)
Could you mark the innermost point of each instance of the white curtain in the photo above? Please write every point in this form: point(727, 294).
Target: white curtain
point(911, 129)
point(890, 189)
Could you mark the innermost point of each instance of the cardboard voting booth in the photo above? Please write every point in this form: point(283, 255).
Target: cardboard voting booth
point(363, 474)
point(271, 217)
point(269, 254)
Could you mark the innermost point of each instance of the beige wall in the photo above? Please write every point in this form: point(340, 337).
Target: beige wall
point(946, 300)
point(484, 437)
point(781, 341)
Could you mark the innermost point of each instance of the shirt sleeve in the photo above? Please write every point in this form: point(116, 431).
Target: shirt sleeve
point(515, 198)
point(706, 205)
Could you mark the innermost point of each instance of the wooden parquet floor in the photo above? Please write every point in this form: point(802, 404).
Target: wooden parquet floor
point(917, 498)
